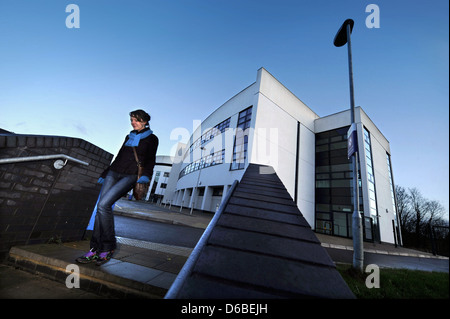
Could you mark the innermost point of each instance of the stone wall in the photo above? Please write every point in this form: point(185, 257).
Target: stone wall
point(39, 203)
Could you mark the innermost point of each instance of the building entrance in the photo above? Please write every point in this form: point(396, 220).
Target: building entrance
point(340, 224)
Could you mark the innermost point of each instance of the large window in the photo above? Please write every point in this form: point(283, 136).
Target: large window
point(241, 140)
point(334, 187)
point(210, 134)
point(370, 179)
point(391, 184)
point(215, 158)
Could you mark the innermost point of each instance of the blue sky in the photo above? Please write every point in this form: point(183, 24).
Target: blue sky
point(181, 59)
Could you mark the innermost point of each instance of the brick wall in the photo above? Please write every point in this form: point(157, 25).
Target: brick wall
point(39, 203)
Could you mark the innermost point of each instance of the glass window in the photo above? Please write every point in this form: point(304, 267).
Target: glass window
point(323, 226)
point(241, 140)
point(370, 177)
point(210, 134)
point(322, 184)
point(334, 183)
point(322, 176)
point(391, 184)
point(340, 145)
point(322, 148)
point(212, 159)
point(217, 191)
point(340, 225)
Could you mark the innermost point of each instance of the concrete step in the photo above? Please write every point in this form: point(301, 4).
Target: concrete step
point(135, 271)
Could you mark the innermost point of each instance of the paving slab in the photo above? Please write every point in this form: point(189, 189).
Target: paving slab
point(133, 272)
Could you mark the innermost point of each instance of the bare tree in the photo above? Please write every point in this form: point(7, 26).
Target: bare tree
point(434, 211)
point(421, 220)
point(403, 208)
point(417, 205)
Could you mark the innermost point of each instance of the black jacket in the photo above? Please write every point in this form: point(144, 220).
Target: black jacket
point(125, 161)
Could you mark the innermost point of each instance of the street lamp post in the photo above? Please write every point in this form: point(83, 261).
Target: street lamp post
point(342, 38)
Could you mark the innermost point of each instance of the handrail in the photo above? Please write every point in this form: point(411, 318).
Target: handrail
point(41, 158)
point(190, 263)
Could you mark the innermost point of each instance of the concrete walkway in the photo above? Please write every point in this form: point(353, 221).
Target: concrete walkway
point(375, 248)
point(162, 213)
point(201, 220)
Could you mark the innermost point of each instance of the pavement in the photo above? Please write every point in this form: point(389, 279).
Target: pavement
point(138, 269)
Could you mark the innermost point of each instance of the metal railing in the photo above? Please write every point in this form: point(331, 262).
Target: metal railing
point(57, 164)
point(192, 260)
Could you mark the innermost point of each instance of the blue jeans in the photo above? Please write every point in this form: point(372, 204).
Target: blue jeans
point(114, 187)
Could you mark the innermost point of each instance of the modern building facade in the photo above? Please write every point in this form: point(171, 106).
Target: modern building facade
point(267, 124)
point(161, 174)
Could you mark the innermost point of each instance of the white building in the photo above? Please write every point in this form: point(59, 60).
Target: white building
point(161, 174)
point(266, 124)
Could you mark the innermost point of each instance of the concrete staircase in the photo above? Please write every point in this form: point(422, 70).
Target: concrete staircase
point(260, 246)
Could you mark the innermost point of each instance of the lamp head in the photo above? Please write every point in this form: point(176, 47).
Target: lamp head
point(341, 36)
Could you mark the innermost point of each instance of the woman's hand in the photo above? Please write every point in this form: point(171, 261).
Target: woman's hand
point(143, 180)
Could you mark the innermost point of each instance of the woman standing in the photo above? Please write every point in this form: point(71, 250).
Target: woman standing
point(117, 180)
